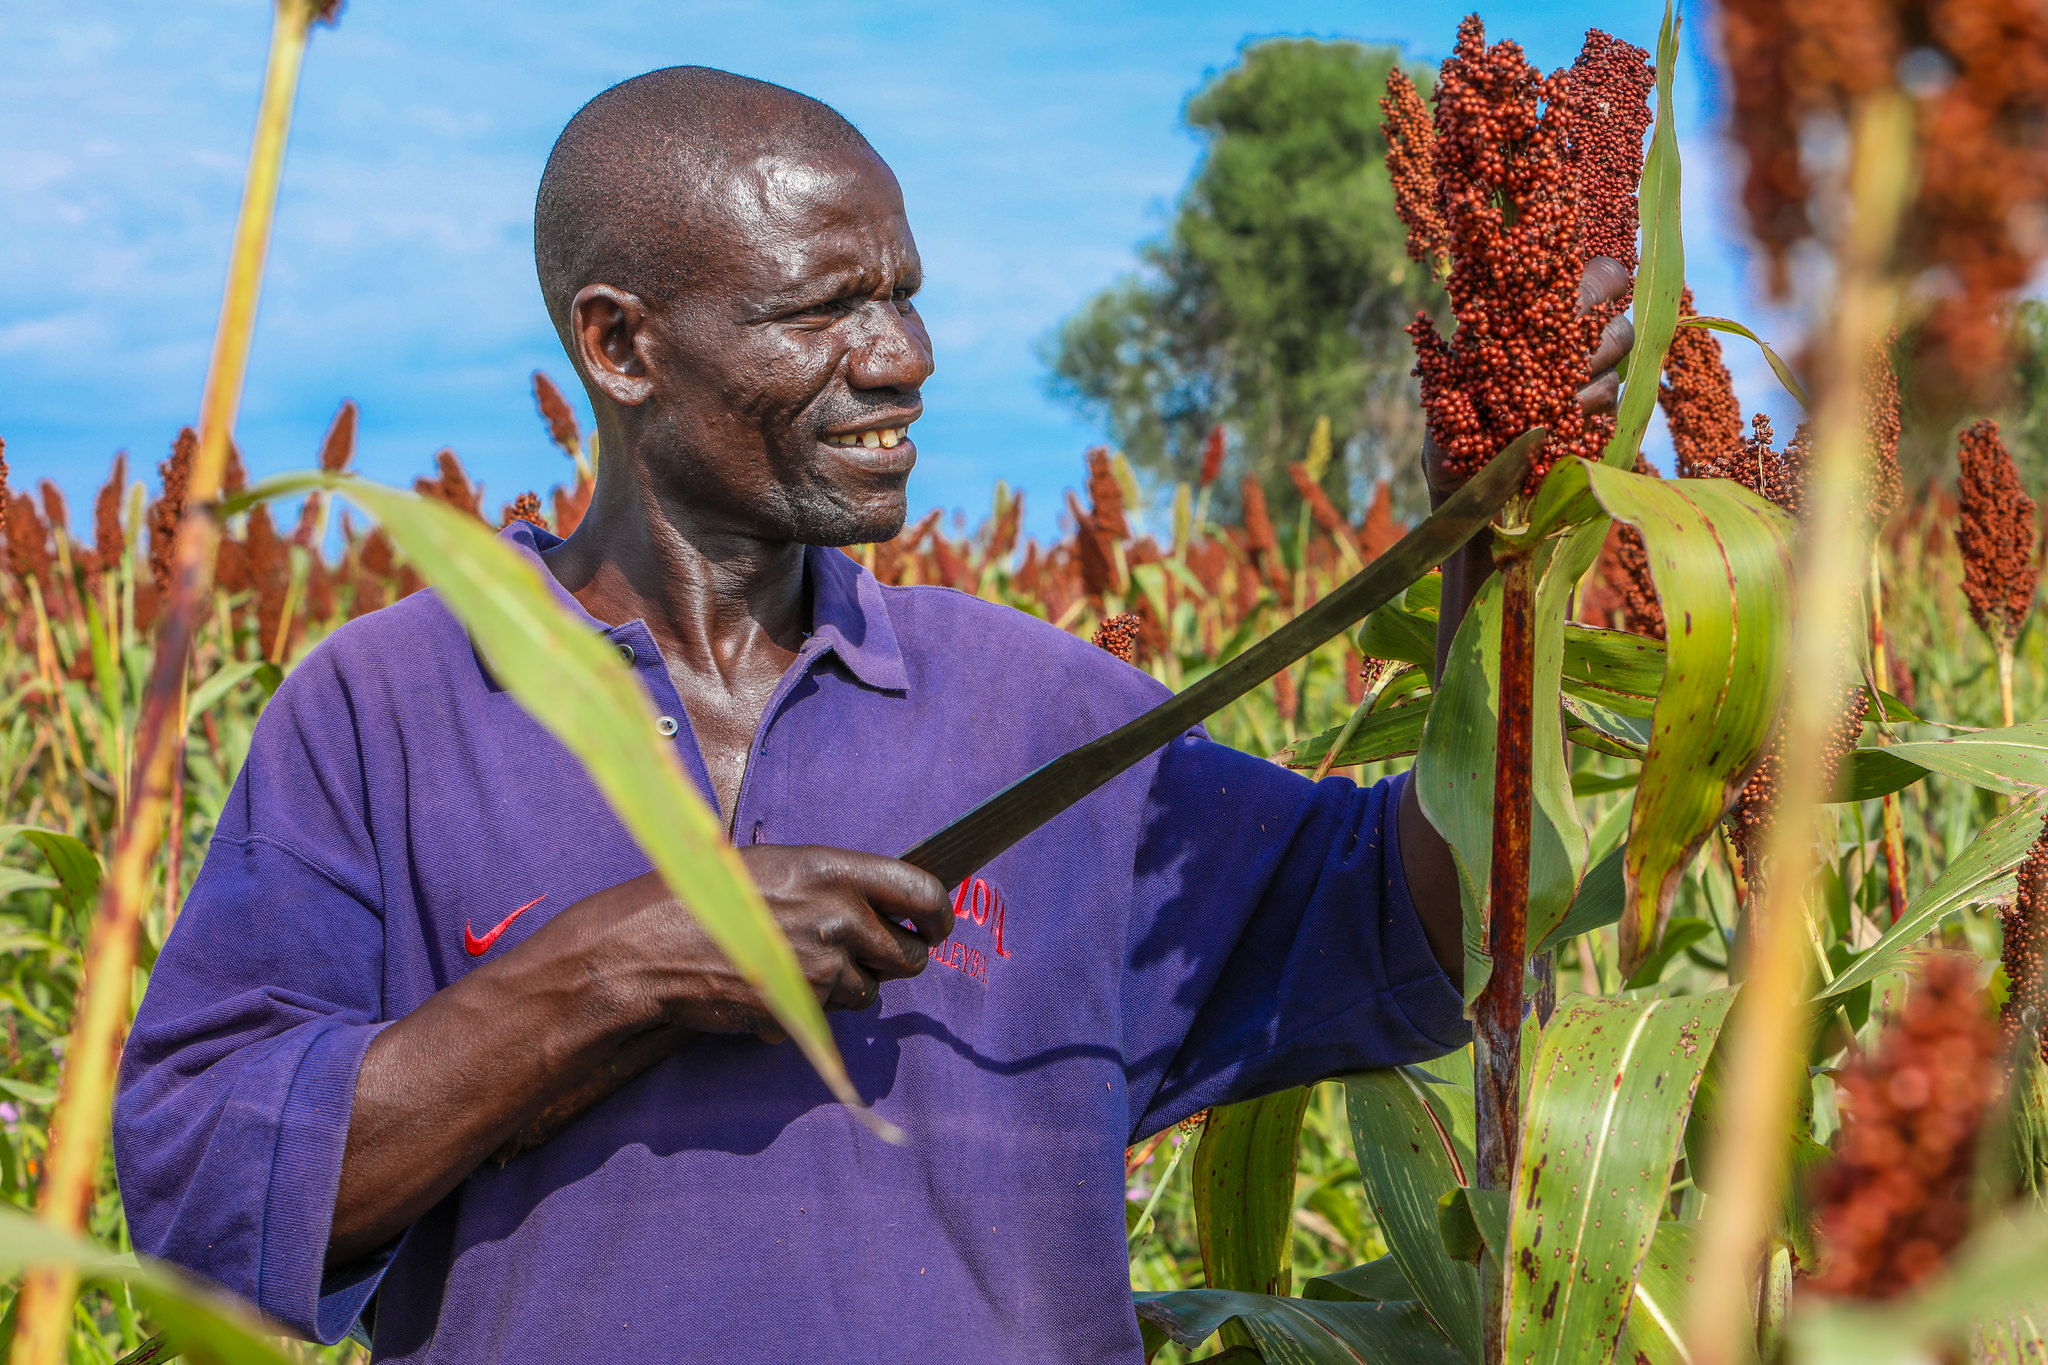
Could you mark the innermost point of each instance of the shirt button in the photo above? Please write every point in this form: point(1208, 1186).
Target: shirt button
point(626, 653)
point(667, 725)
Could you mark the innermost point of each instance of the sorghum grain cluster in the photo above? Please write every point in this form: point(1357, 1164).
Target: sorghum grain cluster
point(1896, 1199)
point(1996, 534)
point(1698, 398)
point(2025, 941)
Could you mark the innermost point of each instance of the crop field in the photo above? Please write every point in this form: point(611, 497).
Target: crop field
point(1741, 763)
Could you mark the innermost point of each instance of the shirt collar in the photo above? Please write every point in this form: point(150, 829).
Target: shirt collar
point(848, 614)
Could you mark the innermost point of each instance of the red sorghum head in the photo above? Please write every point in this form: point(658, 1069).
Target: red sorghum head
point(339, 445)
point(1896, 1200)
point(2025, 941)
point(525, 507)
point(452, 486)
point(1698, 398)
point(1320, 508)
point(1642, 613)
point(1410, 165)
point(1106, 495)
point(1996, 533)
point(28, 542)
point(109, 537)
point(1212, 456)
point(1119, 636)
point(1518, 355)
point(1609, 89)
point(168, 511)
point(556, 412)
point(56, 514)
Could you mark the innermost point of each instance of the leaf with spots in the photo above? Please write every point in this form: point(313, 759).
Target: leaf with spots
point(1608, 1098)
point(1413, 1140)
point(1722, 561)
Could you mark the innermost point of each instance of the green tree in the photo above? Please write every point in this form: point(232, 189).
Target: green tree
point(1278, 295)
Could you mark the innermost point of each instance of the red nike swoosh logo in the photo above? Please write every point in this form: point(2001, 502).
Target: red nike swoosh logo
point(477, 947)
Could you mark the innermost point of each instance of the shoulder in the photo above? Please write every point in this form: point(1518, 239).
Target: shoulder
point(954, 638)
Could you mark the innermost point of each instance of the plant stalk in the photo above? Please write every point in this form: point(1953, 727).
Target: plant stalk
point(2005, 708)
point(85, 1090)
point(1894, 822)
point(1747, 1167)
point(1497, 1013)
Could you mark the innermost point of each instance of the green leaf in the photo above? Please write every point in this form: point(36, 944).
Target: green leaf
point(1981, 872)
point(1379, 1281)
point(1413, 1142)
point(196, 1321)
point(1777, 362)
point(2012, 760)
point(1721, 558)
point(1650, 1336)
point(76, 867)
point(1660, 274)
point(572, 682)
point(1602, 897)
point(1678, 936)
point(1870, 771)
point(1620, 671)
point(1302, 1331)
point(1607, 1104)
point(1382, 735)
point(1244, 1191)
point(1405, 628)
point(221, 682)
point(1469, 1220)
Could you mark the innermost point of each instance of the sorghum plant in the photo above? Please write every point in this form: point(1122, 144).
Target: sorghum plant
point(1996, 532)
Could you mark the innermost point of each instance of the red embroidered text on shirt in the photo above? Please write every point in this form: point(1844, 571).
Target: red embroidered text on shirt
point(978, 901)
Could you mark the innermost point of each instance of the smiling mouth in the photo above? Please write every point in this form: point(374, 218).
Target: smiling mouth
point(881, 438)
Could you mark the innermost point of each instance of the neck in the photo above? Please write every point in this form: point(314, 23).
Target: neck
point(712, 597)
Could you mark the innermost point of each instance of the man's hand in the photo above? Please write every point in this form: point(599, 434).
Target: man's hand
point(842, 911)
point(1432, 873)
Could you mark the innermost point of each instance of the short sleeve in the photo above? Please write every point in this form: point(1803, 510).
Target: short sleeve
point(1272, 939)
point(238, 1078)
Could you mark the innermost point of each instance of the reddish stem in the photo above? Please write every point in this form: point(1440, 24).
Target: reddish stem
point(1498, 1011)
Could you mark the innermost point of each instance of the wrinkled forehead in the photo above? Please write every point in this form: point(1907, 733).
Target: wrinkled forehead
point(777, 218)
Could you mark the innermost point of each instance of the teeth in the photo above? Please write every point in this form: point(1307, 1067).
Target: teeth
point(886, 438)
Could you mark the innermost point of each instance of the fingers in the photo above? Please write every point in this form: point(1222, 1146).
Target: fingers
point(897, 892)
point(1603, 280)
point(854, 989)
point(1616, 340)
point(1602, 394)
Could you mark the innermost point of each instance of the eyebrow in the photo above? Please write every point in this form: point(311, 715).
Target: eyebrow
point(825, 288)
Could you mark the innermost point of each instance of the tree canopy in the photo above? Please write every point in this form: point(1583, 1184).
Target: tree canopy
point(1280, 291)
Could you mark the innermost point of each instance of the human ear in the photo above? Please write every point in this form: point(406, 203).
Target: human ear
point(608, 335)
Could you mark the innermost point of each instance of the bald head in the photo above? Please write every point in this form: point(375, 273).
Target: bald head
point(632, 179)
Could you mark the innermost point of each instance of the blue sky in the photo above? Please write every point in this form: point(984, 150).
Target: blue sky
point(1037, 144)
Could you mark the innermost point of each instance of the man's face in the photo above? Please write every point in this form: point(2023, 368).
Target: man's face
point(786, 381)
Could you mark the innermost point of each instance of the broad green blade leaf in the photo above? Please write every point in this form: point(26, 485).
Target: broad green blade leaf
point(1777, 362)
point(1378, 1281)
point(220, 683)
point(77, 867)
point(1618, 670)
point(203, 1325)
point(1602, 897)
point(1870, 771)
point(1413, 1143)
point(1650, 1336)
point(1405, 628)
point(1607, 1104)
point(1244, 1191)
point(1660, 274)
point(1722, 559)
point(1982, 872)
point(574, 684)
point(13, 879)
point(1679, 935)
point(1383, 734)
point(2012, 761)
point(1302, 1331)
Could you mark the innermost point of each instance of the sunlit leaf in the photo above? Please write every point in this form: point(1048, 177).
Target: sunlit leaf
point(1980, 873)
point(1606, 1109)
point(1244, 1191)
point(1302, 1331)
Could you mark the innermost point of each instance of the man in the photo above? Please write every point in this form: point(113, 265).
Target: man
point(418, 923)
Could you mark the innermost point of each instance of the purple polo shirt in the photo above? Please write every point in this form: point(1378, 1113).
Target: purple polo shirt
point(1208, 927)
